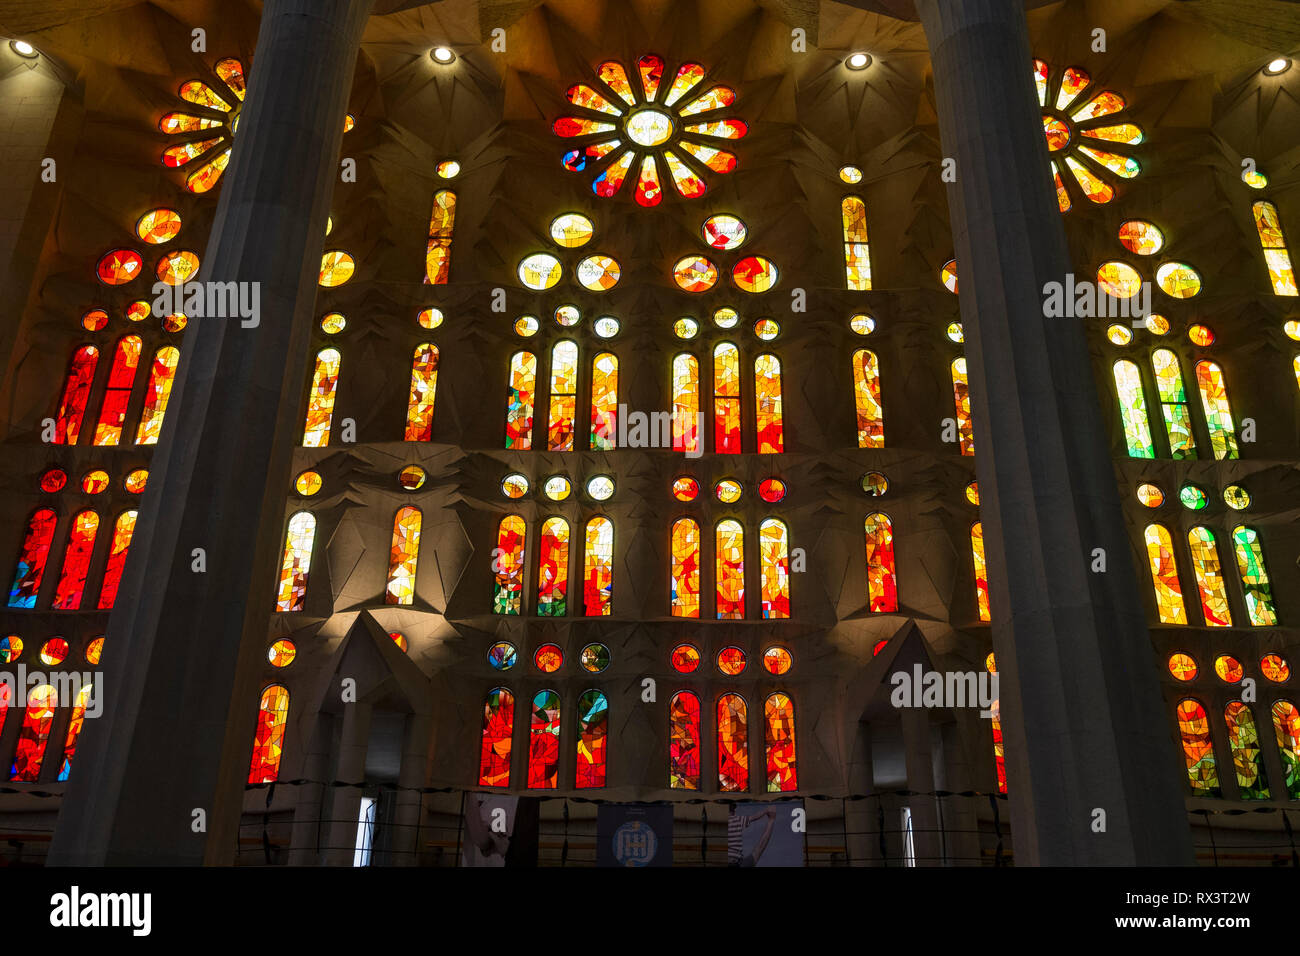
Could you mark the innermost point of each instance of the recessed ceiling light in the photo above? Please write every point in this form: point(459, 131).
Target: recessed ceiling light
point(23, 48)
point(442, 54)
point(858, 61)
point(1279, 65)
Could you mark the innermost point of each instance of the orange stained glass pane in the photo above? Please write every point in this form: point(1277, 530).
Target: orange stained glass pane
point(202, 179)
point(231, 72)
point(719, 97)
point(158, 226)
point(648, 190)
point(38, 720)
point(508, 566)
point(695, 274)
point(720, 129)
point(176, 268)
point(1164, 575)
point(1094, 188)
point(441, 223)
point(1103, 104)
point(999, 747)
point(1276, 255)
point(774, 562)
point(161, 376)
point(119, 267)
point(686, 568)
point(1286, 729)
point(1275, 668)
point(76, 562)
point(424, 388)
point(730, 570)
point(296, 562)
point(651, 69)
point(268, 742)
point(778, 714)
point(117, 393)
point(961, 398)
point(1198, 750)
point(177, 122)
point(76, 393)
point(610, 180)
point(686, 402)
point(866, 396)
point(498, 734)
point(726, 399)
point(553, 569)
point(336, 268)
point(403, 556)
point(981, 570)
point(685, 658)
point(1120, 133)
point(1218, 411)
point(754, 274)
point(580, 94)
point(320, 401)
point(718, 160)
point(123, 529)
point(687, 184)
point(1062, 196)
point(767, 395)
point(200, 94)
point(733, 743)
point(684, 741)
point(281, 653)
point(75, 723)
point(564, 385)
point(1209, 577)
point(598, 568)
point(777, 660)
point(882, 583)
point(1073, 82)
point(1183, 667)
point(857, 258)
point(519, 403)
point(1141, 237)
point(604, 402)
point(613, 75)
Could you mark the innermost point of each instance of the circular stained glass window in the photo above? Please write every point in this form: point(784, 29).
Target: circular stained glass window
point(875, 484)
point(54, 480)
point(695, 274)
point(862, 324)
point(649, 127)
point(728, 491)
point(606, 326)
point(1178, 280)
point(336, 268)
point(308, 483)
point(119, 267)
point(973, 493)
point(684, 658)
point(1183, 667)
point(1157, 324)
point(526, 325)
point(777, 660)
point(572, 230)
point(1274, 668)
point(135, 481)
point(1118, 279)
point(93, 482)
point(514, 485)
point(599, 273)
point(333, 323)
point(955, 333)
point(851, 175)
point(540, 271)
point(754, 274)
point(568, 316)
point(991, 663)
point(948, 276)
point(686, 488)
point(54, 651)
point(1141, 237)
point(281, 653)
point(1201, 335)
point(601, 488)
point(771, 490)
point(158, 226)
point(502, 656)
point(11, 648)
point(411, 477)
point(1119, 334)
point(174, 322)
point(1292, 329)
point(138, 311)
point(94, 320)
point(557, 487)
point(686, 328)
point(767, 329)
point(1254, 178)
point(95, 651)
point(429, 318)
point(1192, 497)
point(731, 661)
point(449, 169)
point(1228, 668)
point(723, 232)
point(1236, 497)
point(594, 658)
point(726, 318)
point(549, 658)
point(1150, 495)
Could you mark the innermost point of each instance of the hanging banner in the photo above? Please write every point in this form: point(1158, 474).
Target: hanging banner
point(634, 834)
point(766, 834)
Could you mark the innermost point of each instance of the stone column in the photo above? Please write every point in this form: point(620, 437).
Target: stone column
point(184, 649)
point(345, 802)
point(919, 760)
point(1080, 702)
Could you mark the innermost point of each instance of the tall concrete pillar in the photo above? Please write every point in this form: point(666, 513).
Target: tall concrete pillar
point(1081, 709)
point(919, 760)
point(184, 647)
point(345, 802)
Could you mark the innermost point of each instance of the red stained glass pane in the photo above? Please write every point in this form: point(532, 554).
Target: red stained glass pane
point(882, 585)
point(38, 719)
point(76, 392)
point(498, 730)
point(119, 267)
point(117, 394)
point(684, 741)
point(74, 729)
point(778, 715)
point(553, 569)
point(685, 658)
point(122, 532)
point(508, 565)
point(593, 739)
point(32, 559)
point(76, 562)
point(733, 743)
point(544, 742)
point(651, 68)
point(268, 742)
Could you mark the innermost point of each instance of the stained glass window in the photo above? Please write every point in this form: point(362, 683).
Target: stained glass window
point(961, 399)
point(1273, 242)
point(117, 393)
point(779, 723)
point(75, 723)
point(296, 563)
point(403, 555)
point(733, 743)
point(437, 262)
point(604, 402)
point(598, 568)
point(726, 399)
point(1286, 728)
point(686, 402)
point(1209, 577)
point(593, 739)
point(999, 747)
point(38, 719)
point(32, 558)
point(857, 259)
point(564, 387)
point(553, 569)
point(519, 404)
point(320, 402)
point(1164, 575)
point(76, 561)
point(1247, 759)
point(981, 570)
point(1133, 410)
point(730, 570)
point(123, 529)
point(683, 741)
point(424, 388)
point(544, 742)
point(508, 565)
point(686, 568)
point(1198, 750)
point(268, 742)
point(1173, 402)
point(76, 392)
point(774, 561)
point(882, 584)
point(1218, 413)
point(866, 394)
point(498, 729)
point(1254, 576)
point(767, 392)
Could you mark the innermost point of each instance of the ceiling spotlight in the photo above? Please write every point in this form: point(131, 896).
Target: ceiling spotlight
point(442, 54)
point(1279, 65)
point(23, 49)
point(858, 61)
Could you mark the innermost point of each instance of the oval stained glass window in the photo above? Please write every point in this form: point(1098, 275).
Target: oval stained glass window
point(548, 659)
point(540, 271)
point(862, 324)
point(1182, 667)
point(119, 267)
point(571, 230)
point(1228, 668)
point(502, 656)
point(1150, 495)
point(723, 232)
point(695, 274)
point(685, 658)
point(1141, 237)
point(557, 487)
point(594, 658)
point(731, 661)
point(686, 488)
point(514, 485)
point(1118, 279)
point(777, 660)
point(158, 226)
point(599, 273)
point(686, 328)
point(336, 268)
point(771, 490)
point(1178, 280)
point(754, 274)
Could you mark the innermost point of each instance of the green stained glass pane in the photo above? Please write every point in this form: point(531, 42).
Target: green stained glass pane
point(1247, 760)
point(1254, 577)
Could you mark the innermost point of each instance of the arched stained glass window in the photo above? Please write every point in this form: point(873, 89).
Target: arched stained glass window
point(553, 569)
point(403, 557)
point(1209, 577)
point(598, 568)
point(75, 724)
point(1133, 410)
point(76, 561)
point(38, 719)
point(604, 402)
point(687, 418)
point(123, 529)
point(961, 401)
point(882, 583)
point(999, 747)
point(774, 562)
point(730, 570)
point(767, 394)
point(117, 393)
point(778, 713)
point(593, 739)
point(683, 741)
point(1173, 403)
point(1164, 575)
point(981, 570)
point(1198, 750)
point(437, 258)
point(519, 404)
point(498, 732)
point(544, 742)
point(320, 402)
point(508, 564)
point(268, 741)
point(1254, 576)
point(1247, 759)
point(32, 559)
point(1286, 728)
point(857, 257)
point(1273, 242)
point(424, 389)
point(76, 393)
point(5, 696)
point(161, 376)
point(726, 399)
point(564, 387)
point(866, 395)
point(296, 562)
point(1218, 413)
point(686, 568)
point(733, 743)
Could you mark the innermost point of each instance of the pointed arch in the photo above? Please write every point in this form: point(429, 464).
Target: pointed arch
point(564, 396)
point(1133, 410)
point(296, 562)
point(117, 393)
point(320, 401)
point(424, 389)
point(162, 374)
point(778, 714)
point(76, 394)
point(882, 581)
point(598, 568)
point(1254, 576)
point(726, 399)
point(687, 424)
point(32, 558)
point(733, 743)
point(38, 719)
point(268, 741)
point(520, 401)
point(1164, 575)
point(497, 738)
point(76, 561)
point(508, 565)
point(686, 568)
point(1247, 758)
point(1198, 749)
point(1209, 577)
point(553, 569)
point(1218, 411)
point(866, 396)
point(123, 530)
point(404, 556)
point(774, 563)
point(544, 742)
point(729, 572)
point(604, 402)
point(684, 741)
point(768, 404)
point(593, 739)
